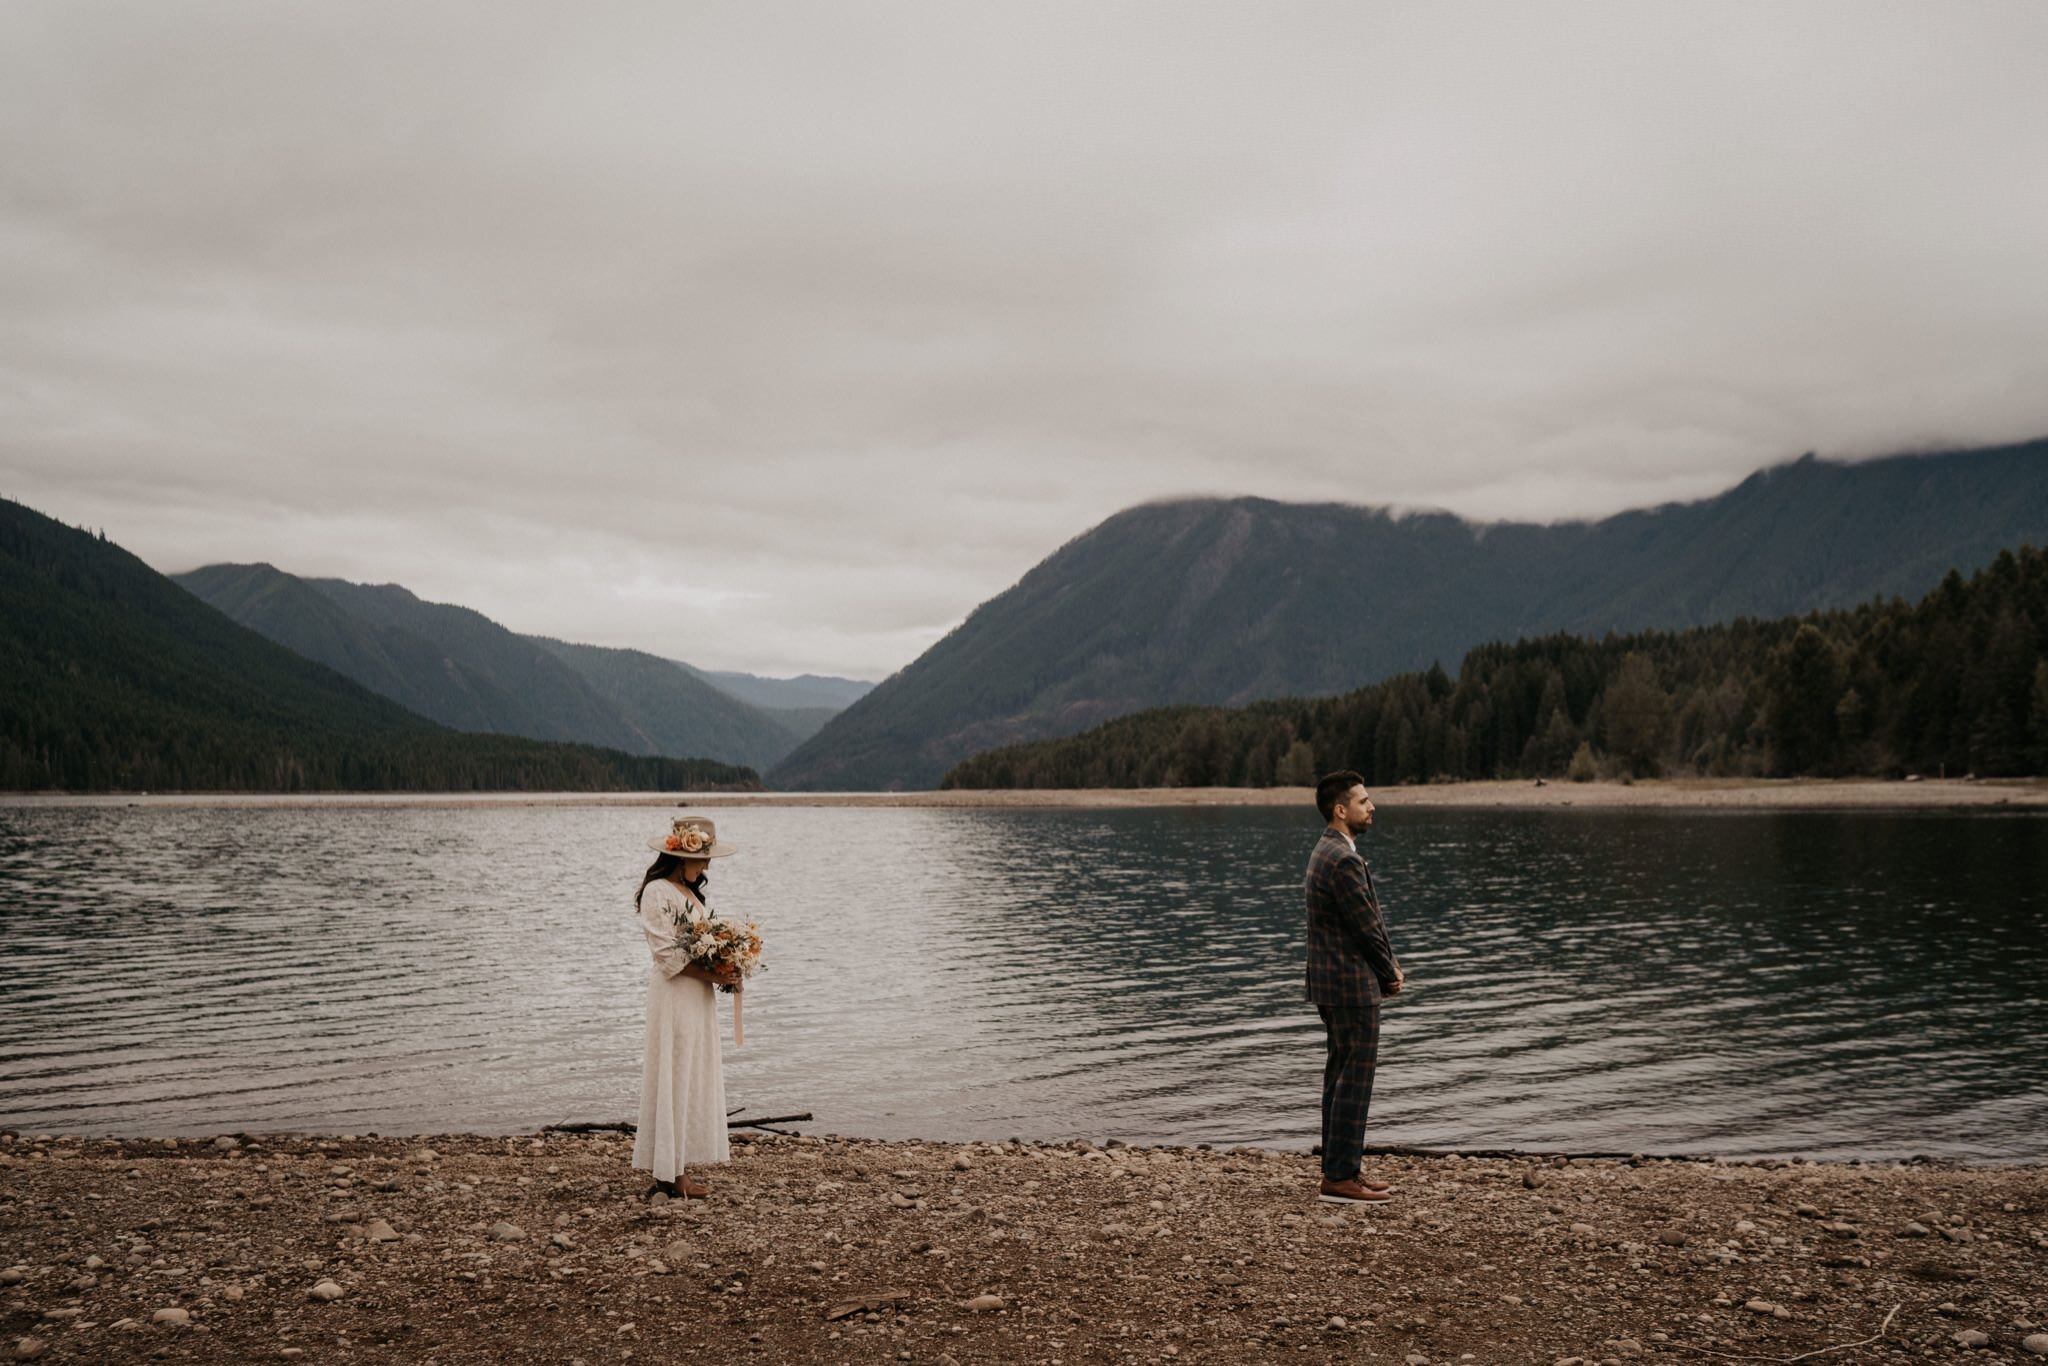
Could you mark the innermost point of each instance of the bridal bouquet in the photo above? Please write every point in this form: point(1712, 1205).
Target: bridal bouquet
point(724, 946)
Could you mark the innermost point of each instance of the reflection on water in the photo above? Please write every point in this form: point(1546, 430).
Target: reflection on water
point(1833, 984)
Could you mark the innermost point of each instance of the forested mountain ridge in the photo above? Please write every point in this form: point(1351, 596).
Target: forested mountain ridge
point(1957, 681)
point(456, 666)
point(114, 678)
point(1216, 601)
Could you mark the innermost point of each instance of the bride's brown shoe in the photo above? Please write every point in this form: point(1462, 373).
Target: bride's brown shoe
point(1350, 1193)
point(692, 1190)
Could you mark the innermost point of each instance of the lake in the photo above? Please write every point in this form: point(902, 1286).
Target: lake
point(1832, 984)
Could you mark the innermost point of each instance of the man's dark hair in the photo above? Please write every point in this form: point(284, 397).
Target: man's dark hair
point(1333, 788)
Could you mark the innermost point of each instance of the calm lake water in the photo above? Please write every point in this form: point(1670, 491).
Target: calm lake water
point(1830, 984)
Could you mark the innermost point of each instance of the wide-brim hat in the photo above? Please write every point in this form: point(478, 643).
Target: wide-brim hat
point(692, 837)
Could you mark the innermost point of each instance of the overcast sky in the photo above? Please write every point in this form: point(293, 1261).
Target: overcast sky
point(777, 337)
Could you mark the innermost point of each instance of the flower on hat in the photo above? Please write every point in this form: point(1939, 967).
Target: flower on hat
point(686, 839)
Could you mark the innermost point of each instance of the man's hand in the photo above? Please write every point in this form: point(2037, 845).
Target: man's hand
point(1394, 988)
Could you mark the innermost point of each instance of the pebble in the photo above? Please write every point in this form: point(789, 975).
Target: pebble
point(1583, 1230)
point(983, 1304)
point(1629, 1347)
point(676, 1253)
point(1672, 1237)
point(504, 1232)
point(94, 1263)
point(961, 1163)
point(28, 1349)
point(233, 1294)
point(1970, 1337)
point(2037, 1344)
point(325, 1290)
point(177, 1318)
point(226, 1144)
point(1336, 1321)
point(13, 1275)
point(1916, 1229)
point(380, 1232)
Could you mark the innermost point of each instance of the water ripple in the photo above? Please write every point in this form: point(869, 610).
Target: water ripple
point(1836, 984)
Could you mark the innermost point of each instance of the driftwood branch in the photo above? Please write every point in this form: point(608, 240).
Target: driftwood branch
point(1816, 1352)
point(626, 1126)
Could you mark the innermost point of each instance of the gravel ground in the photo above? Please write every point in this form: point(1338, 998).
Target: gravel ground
point(466, 1249)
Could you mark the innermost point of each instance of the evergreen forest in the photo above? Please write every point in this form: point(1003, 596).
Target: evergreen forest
point(1955, 683)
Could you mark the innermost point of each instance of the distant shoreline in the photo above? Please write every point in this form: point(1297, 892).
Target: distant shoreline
point(1753, 794)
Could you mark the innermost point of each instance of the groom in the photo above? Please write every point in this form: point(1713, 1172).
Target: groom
point(1350, 967)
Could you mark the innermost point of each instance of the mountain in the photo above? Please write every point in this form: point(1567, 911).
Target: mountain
point(673, 706)
point(460, 668)
point(804, 693)
point(1229, 601)
point(1958, 680)
point(114, 678)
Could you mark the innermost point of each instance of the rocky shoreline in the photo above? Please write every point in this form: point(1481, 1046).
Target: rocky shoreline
point(469, 1249)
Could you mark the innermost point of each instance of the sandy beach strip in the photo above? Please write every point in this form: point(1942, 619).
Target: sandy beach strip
point(1759, 794)
point(467, 1249)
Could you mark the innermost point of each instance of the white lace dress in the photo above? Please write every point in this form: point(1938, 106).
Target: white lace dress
point(682, 1087)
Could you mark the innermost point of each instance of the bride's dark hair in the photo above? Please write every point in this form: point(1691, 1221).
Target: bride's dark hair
point(663, 865)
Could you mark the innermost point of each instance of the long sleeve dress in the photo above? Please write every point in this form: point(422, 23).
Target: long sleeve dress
point(682, 1087)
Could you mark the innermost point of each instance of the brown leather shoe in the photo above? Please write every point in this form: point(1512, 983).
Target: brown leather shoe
point(1372, 1185)
point(692, 1190)
point(1350, 1193)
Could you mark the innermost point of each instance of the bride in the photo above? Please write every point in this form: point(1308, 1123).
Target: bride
point(682, 1089)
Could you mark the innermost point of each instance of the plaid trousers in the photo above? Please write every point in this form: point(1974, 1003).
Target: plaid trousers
point(1352, 1038)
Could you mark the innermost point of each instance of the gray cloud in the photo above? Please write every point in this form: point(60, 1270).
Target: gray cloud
point(778, 336)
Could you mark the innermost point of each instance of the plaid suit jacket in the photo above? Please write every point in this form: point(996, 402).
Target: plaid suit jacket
point(1350, 961)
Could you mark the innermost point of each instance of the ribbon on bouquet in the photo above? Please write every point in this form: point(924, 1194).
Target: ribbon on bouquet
point(739, 1019)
